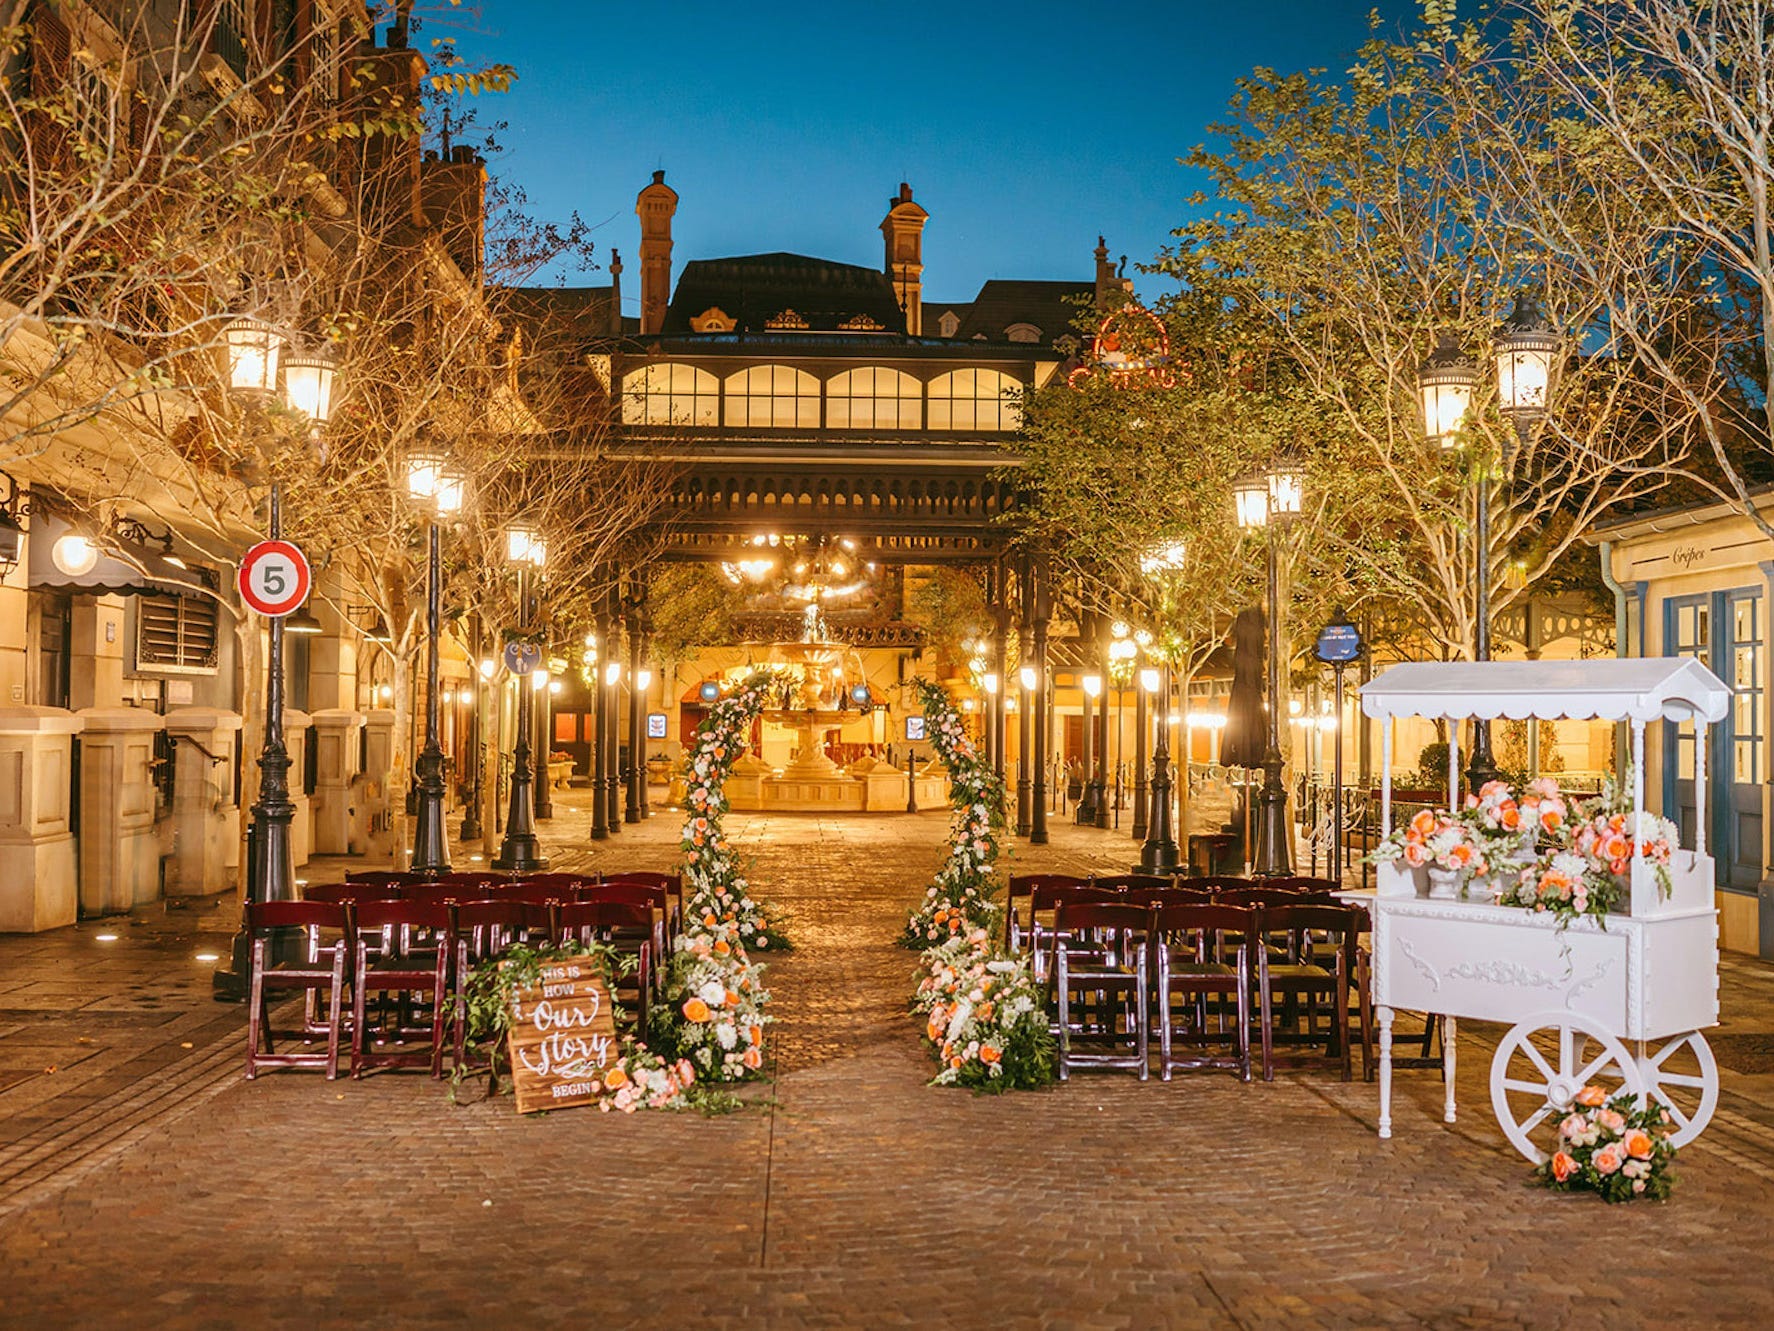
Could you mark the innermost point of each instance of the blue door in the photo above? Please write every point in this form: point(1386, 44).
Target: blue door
point(1726, 631)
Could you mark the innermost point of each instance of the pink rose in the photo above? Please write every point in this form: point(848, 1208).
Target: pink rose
point(1608, 1160)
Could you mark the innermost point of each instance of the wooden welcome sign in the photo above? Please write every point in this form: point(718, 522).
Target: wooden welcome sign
point(563, 1036)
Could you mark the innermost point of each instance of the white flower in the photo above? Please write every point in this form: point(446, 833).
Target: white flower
point(726, 1035)
point(714, 993)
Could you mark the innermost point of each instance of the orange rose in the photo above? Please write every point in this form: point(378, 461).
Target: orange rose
point(696, 1010)
point(1638, 1144)
point(709, 921)
point(1592, 1096)
point(1563, 1166)
point(754, 1058)
point(615, 1079)
point(722, 947)
point(732, 999)
point(755, 1034)
point(989, 1053)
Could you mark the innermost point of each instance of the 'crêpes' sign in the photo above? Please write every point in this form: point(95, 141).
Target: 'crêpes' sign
point(563, 1036)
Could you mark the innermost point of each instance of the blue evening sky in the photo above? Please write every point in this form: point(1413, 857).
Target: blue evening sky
point(1025, 130)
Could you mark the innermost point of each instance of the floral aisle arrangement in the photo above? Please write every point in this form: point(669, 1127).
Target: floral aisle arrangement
point(637, 1078)
point(960, 897)
point(1612, 1147)
point(1534, 849)
point(985, 1018)
point(714, 1017)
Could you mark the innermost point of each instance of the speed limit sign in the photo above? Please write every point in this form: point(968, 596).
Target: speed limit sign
point(273, 578)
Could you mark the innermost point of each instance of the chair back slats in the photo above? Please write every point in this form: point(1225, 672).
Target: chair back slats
point(637, 894)
point(1319, 886)
point(1170, 920)
point(350, 893)
point(295, 914)
point(574, 915)
point(1215, 883)
point(408, 914)
point(1075, 914)
point(382, 877)
point(1132, 882)
point(1270, 895)
point(645, 878)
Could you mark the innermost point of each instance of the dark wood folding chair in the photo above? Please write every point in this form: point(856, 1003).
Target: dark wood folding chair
point(1046, 892)
point(673, 883)
point(1321, 974)
point(1199, 952)
point(410, 969)
point(326, 973)
point(1132, 882)
point(1100, 949)
point(383, 877)
point(1214, 882)
point(626, 926)
point(654, 896)
point(482, 930)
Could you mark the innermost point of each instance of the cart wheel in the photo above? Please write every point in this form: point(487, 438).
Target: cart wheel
point(1540, 1066)
point(1684, 1079)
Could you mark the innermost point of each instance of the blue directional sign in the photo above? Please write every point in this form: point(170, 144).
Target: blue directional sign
point(523, 658)
point(1338, 641)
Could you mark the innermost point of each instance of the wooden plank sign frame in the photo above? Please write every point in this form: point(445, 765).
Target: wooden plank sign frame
point(562, 1036)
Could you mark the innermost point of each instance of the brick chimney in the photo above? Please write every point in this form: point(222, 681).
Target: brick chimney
point(615, 328)
point(453, 190)
point(1107, 279)
point(386, 167)
point(903, 230)
point(656, 205)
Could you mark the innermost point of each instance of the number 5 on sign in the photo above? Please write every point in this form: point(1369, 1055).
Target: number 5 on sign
point(273, 579)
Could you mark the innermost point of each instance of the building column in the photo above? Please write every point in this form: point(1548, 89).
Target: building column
point(295, 729)
point(39, 871)
point(1025, 713)
point(205, 818)
point(95, 678)
point(376, 834)
point(337, 730)
point(119, 844)
point(1000, 659)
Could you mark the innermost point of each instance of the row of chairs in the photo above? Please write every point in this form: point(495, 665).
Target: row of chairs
point(1114, 965)
point(415, 955)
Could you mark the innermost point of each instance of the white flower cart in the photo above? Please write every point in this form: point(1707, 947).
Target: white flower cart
point(1619, 1002)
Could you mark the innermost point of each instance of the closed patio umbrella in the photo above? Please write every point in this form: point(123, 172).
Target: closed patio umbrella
point(1247, 731)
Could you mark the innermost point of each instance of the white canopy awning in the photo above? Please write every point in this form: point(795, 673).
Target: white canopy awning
point(1613, 689)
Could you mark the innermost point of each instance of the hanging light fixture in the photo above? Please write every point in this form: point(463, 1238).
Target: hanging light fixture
point(1166, 558)
point(1287, 487)
point(308, 379)
point(1526, 351)
point(425, 473)
point(524, 545)
point(1250, 498)
point(1445, 382)
point(254, 348)
point(74, 554)
point(303, 621)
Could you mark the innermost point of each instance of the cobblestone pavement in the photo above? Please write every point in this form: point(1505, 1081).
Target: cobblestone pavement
point(151, 1186)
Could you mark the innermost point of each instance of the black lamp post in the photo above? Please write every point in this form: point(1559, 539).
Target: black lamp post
point(1268, 502)
point(254, 353)
point(431, 483)
point(1159, 852)
point(520, 852)
point(1525, 350)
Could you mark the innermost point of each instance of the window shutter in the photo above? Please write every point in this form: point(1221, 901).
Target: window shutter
point(52, 48)
point(176, 633)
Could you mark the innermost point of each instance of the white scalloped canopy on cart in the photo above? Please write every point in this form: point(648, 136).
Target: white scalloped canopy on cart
point(1669, 688)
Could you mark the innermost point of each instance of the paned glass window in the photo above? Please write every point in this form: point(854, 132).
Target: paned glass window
point(670, 394)
point(773, 397)
point(874, 398)
point(1690, 635)
point(1746, 685)
point(973, 400)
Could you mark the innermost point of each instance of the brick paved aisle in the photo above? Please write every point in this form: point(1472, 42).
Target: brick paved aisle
point(850, 1194)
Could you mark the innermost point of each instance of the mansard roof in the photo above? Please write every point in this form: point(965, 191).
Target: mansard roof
point(791, 291)
point(1002, 304)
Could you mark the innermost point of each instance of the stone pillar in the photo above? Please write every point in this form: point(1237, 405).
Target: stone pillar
point(375, 832)
point(295, 737)
point(337, 729)
point(96, 644)
point(39, 875)
point(205, 818)
point(119, 845)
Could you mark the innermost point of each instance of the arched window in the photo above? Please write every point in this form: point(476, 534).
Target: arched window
point(1022, 333)
point(973, 400)
point(773, 396)
point(670, 394)
point(873, 398)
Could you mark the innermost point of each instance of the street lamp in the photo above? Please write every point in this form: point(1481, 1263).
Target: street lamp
point(1122, 651)
point(1270, 501)
point(431, 483)
point(1525, 354)
point(1159, 852)
point(519, 852)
